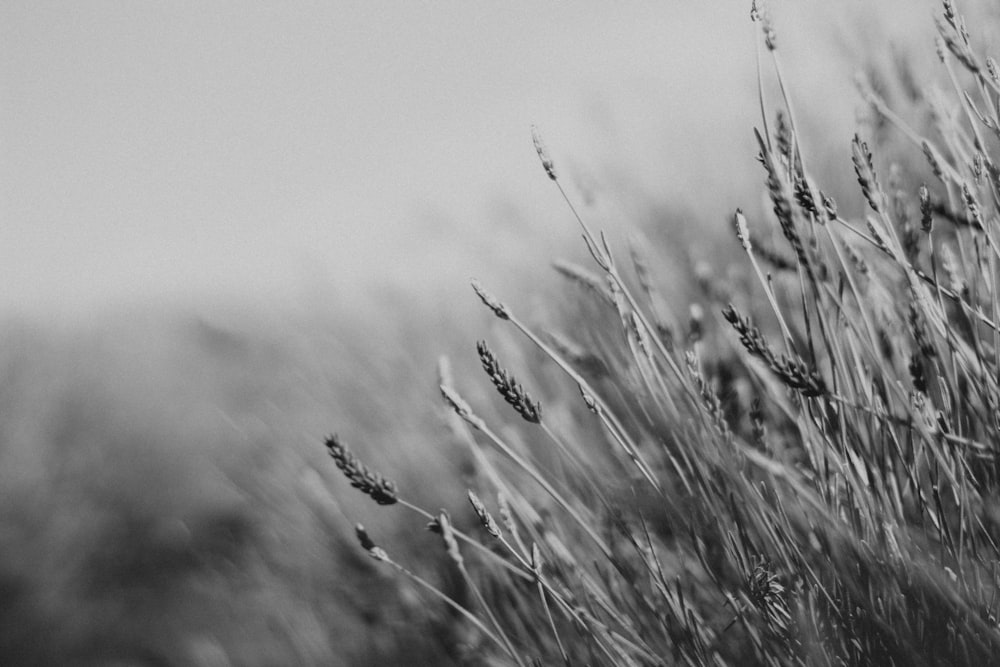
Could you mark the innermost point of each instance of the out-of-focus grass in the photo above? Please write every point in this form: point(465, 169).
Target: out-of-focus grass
point(164, 502)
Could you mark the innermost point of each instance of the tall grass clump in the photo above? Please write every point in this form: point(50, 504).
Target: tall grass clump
point(803, 469)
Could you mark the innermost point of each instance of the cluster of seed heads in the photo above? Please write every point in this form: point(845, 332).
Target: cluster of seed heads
point(508, 386)
point(380, 489)
point(793, 371)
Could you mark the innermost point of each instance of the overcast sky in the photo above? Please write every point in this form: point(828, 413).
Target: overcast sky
point(163, 147)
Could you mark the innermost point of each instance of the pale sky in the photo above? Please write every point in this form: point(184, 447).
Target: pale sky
point(152, 148)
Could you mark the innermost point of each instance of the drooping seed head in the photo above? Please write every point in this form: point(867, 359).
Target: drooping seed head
point(975, 214)
point(806, 199)
point(781, 198)
point(508, 386)
point(559, 550)
point(783, 136)
point(543, 154)
point(380, 489)
point(587, 361)
point(949, 12)
point(933, 159)
point(864, 168)
point(952, 268)
point(375, 551)
point(491, 301)
point(926, 216)
point(830, 206)
point(484, 516)
point(776, 259)
point(856, 260)
point(709, 398)
point(444, 371)
point(448, 535)
point(641, 265)
point(742, 231)
point(461, 407)
point(638, 329)
point(759, 13)
point(584, 278)
point(506, 516)
point(876, 235)
point(366, 542)
point(792, 370)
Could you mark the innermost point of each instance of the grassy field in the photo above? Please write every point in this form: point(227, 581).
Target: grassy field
point(765, 442)
point(796, 462)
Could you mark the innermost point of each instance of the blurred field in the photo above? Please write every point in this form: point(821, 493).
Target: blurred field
point(228, 234)
point(166, 498)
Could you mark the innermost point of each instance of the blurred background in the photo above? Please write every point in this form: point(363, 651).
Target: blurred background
point(188, 148)
point(228, 229)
